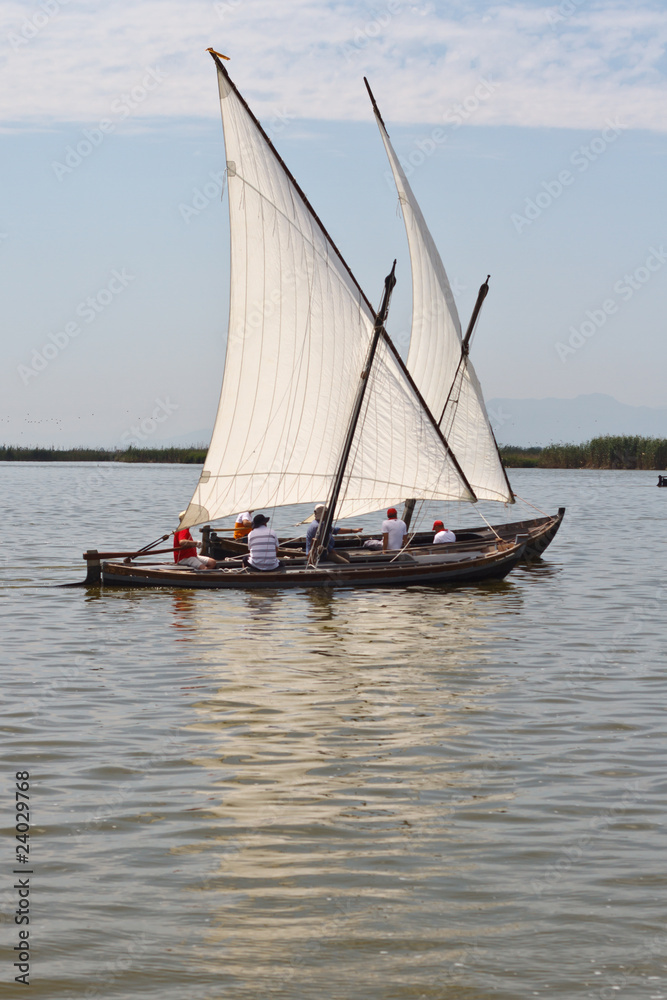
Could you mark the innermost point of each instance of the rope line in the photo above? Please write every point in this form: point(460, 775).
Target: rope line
point(489, 525)
point(529, 504)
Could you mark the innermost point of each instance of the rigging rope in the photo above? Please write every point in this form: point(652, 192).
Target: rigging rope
point(409, 536)
point(489, 525)
point(529, 504)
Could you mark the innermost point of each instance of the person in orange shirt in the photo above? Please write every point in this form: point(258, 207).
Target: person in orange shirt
point(243, 524)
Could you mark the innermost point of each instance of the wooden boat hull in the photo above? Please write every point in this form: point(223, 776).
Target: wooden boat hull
point(426, 566)
point(539, 532)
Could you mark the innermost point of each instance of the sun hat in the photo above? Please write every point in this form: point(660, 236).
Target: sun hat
point(259, 520)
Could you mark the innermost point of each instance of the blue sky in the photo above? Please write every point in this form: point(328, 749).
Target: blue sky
point(535, 137)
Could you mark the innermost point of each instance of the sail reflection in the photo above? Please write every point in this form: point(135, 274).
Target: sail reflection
point(339, 726)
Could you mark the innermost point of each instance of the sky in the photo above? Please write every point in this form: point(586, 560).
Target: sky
point(534, 137)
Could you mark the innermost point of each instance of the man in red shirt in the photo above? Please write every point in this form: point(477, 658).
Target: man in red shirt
point(185, 550)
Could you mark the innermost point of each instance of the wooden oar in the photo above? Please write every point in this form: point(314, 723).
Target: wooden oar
point(162, 538)
point(93, 557)
point(93, 554)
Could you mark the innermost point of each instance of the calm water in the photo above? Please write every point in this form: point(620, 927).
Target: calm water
point(382, 795)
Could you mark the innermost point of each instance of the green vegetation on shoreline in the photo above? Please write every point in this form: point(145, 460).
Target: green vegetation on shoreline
point(600, 453)
point(610, 452)
point(188, 456)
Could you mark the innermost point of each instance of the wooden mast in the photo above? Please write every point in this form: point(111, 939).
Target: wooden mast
point(326, 523)
point(465, 344)
point(465, 351)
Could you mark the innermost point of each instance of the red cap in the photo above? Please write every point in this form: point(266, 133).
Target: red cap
point(392, 512)
point(438, 524)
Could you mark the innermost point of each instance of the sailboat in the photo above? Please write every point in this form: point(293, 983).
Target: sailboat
point(439, 362)
point(316, 401)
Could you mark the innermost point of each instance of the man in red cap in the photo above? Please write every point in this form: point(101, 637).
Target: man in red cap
point(393, 531)
point(442, 534)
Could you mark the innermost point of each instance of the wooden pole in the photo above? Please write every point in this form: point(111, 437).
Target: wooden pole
point(481, 295)
point(408, 510)
point(94, 568)
point(326, 523)
point(465, 344)
point(374, 103)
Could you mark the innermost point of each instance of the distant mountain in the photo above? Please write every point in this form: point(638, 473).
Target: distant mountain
point(526, 422)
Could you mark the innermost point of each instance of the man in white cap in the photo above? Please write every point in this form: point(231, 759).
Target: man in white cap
point(185, 550)
point(313, 528)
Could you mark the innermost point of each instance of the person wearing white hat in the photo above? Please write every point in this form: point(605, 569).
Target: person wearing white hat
point(313, 528)
point(185, 550)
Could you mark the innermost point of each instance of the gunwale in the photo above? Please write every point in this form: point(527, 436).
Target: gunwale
point(425, 566)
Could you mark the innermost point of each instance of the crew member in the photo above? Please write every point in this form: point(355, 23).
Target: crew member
point(243, 524)
point(442, 534)
point(263, 546)
point(185, 549)
point(313, 528)
point(393, 531)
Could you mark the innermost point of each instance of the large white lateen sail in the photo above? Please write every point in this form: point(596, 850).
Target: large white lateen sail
point(299, 330)
point(445, 377)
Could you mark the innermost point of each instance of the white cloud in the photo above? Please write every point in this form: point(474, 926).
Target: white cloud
point(64, 60)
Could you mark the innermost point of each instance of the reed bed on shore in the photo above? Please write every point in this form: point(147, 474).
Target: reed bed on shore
point(609, 452)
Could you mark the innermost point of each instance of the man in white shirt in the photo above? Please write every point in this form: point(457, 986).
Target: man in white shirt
point(393, 531)
point(442, 534)
point(262, 543)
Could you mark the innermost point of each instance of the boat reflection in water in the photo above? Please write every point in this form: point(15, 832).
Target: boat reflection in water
point(344, 736)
